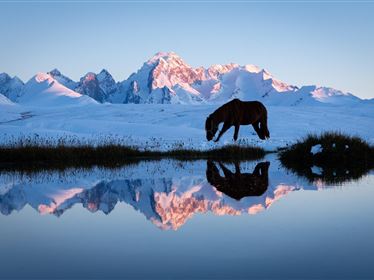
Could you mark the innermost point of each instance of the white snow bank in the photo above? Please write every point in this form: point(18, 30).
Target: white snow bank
point(164, 127)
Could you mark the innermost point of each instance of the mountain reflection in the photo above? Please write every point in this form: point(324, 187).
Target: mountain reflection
point(166, 192)
point(236, 184)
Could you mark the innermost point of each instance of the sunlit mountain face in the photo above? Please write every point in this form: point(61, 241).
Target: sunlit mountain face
point(167, 79)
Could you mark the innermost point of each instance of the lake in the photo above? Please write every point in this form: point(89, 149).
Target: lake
point(185, 219)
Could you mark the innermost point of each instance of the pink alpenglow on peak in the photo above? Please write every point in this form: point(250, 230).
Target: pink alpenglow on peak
point(170, 57)
point(89, 77)
point(167, 78)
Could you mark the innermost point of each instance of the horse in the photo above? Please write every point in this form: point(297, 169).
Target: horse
point(236, 184)
point(236, 113)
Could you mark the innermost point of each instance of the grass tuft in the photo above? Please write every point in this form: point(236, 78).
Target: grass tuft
point(31, 155)
point(342, 157)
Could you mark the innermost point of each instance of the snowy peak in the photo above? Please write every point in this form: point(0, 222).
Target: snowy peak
point(253, 68)
point(169, 57)
point(89, 85)
point(172, 71)
point(64, 80)
point(10, 87)
point(167, 78)
point(4, 77)
point(90, 76)
point(107, 83)
point(330, 95)
point(98, 86)
point(216, 70)
point(105, 75)
point(44, 82)
point(55, 73)
point(43, 89)
point(41, 78)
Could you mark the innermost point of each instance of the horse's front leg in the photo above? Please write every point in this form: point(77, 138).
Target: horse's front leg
point(225, 127)
point(225, 170)
point(236, 133)
point(258, 130)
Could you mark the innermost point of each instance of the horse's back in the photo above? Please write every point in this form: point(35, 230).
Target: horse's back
point(255, 104)
point(244, 112)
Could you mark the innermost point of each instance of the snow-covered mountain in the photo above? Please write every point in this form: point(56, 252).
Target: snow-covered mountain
point(43, 89)
point(65, 81)
point(5, 101)
point(107, 83)
point(97, 86)
point(89, 85)
point(166, 78)
point(10, 87)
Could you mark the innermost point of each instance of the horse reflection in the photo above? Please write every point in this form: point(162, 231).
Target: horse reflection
point(236, 184)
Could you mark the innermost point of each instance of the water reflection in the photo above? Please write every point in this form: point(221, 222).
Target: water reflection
point(236, 184)
point(166, 192)
point(327, 174)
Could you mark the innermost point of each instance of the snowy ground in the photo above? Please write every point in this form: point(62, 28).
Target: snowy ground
point(171, 126)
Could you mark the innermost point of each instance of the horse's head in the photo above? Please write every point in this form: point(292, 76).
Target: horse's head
point(264, 132)
point(210, 128)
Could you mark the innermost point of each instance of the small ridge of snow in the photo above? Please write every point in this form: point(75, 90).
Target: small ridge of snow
point(316, 149)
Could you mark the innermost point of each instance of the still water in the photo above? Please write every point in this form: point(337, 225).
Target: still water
point(196, 219)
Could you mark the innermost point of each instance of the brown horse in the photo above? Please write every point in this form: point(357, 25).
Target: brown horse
point(236, 184)
point(237, 113)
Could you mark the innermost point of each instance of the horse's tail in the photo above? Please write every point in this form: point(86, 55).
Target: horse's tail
point(264, 123)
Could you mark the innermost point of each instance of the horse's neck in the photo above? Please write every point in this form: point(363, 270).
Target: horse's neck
point(219, 116)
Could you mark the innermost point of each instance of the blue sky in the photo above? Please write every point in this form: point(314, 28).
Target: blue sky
point(301, 43)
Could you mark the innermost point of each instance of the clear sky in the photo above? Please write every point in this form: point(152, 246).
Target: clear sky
point(329, 44)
